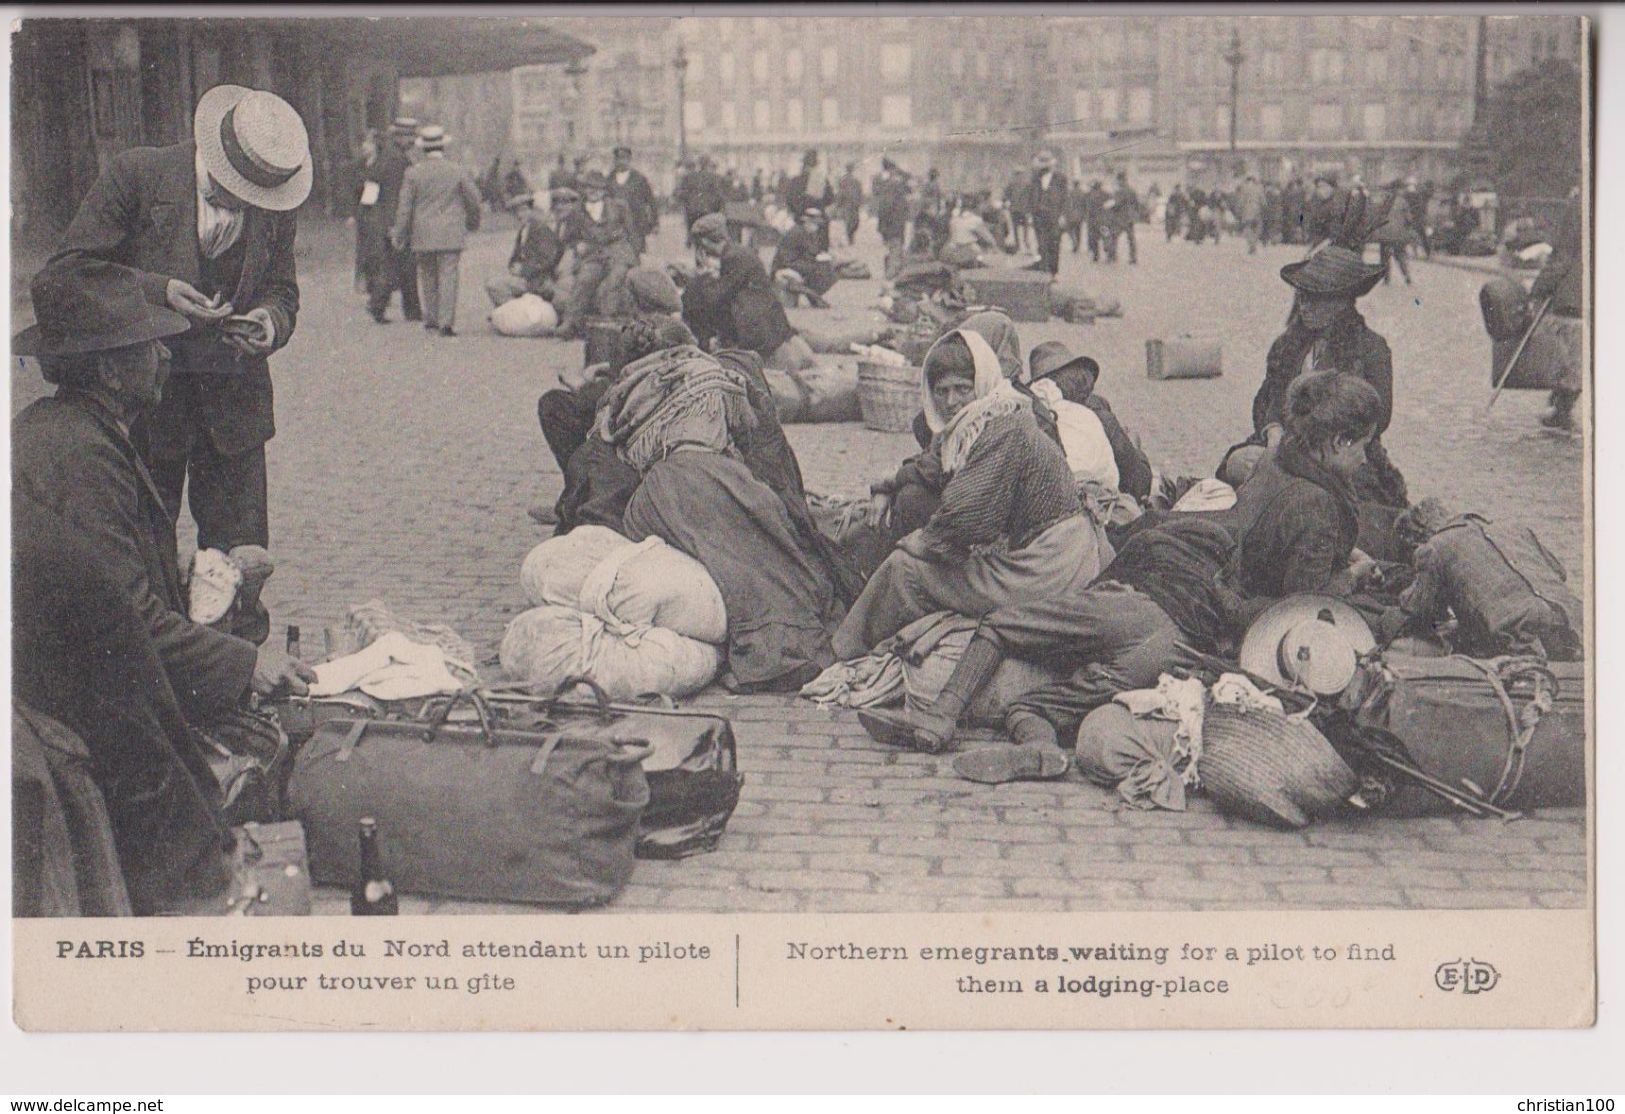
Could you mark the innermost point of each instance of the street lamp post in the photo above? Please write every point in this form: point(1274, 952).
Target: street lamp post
point(679, 63)
point(1234, 58)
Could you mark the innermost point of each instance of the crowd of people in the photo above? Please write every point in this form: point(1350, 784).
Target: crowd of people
point(1027, 508)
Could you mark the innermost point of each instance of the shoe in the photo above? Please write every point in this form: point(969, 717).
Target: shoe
point(412, 317)
point(447, 331)
point(430, 327)
point(1554, 420)
point(918, 731)
point(1000, 764)
point(381, 318)
point(543, 514)
point(250, 620)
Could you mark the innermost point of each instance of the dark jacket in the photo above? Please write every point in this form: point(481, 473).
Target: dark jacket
point(538, 250)
point(1048, 205)
point(388, 170)
point(1323, 216)
point(799, 252)
point(1563, 277)
point(1350, 347)
point(1295, 525)
point(84, 655)
point(142, 212)
point(891, 206)
point(738, 307)
point(639, 198)
point(1133, 469)
point(798, 199)
point(70, 457)
point(600, 239)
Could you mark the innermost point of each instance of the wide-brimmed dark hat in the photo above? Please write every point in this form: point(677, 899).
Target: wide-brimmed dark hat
point(91, 306)
point(594, 180)
point(254, 144)
point(1053, 357)
point(1334, 270)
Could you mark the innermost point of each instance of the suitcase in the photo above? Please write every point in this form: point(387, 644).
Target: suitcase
point(1023, 295)
point(1448, 715)
point(692, 766)
point(1184, 357)
point(484, 810)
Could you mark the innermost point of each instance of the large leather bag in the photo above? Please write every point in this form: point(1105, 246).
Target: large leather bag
point(1455, 724)
point(692, 763)
point(478, 810)
point(1184, 357)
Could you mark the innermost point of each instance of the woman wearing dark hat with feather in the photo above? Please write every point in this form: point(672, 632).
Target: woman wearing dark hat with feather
point(1325, 332)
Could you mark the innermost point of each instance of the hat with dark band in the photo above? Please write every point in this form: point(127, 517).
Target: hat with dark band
point(1333, 271)
point(91, 305)
point(712, 227)
point(432, 137)
point(1053, 357)
point(255, 146)
point(404, 126)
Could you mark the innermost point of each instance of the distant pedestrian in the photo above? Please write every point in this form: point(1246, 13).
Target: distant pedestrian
point(848, 202)
point(1077, 207)
point(1048, 192)
point(601, 233)
point(439, 207)
point(1173, 214)
point(891, 211)
point(633, 189)
point(392, 269)
point(1249, 208)
point(1094, 216)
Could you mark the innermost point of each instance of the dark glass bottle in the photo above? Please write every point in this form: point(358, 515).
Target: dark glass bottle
point(293, 642)
point(373, 895)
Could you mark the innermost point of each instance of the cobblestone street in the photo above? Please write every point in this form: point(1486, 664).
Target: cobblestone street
point(404, 464)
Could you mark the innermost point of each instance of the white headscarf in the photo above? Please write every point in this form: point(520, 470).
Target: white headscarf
point(995, 397)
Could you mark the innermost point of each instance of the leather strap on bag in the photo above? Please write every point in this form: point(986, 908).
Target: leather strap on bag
point(1502, 673)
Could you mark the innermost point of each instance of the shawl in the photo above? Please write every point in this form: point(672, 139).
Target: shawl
point(995, 397)
point(679, 397)
point(1294, 460)
point(1001, 360)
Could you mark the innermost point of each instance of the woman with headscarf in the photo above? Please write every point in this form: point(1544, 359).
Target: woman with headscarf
point(685, 421)
point(1007, 525)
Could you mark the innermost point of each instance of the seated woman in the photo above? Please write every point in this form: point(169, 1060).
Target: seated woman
point(1296, 519)
point(731, 302)
point(1097, 447)
point(683, 421)
point(1008, 525)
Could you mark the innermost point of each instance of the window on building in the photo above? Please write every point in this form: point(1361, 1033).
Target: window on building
point(696, 67)
point(725, 67)
point(1325, 120)
point(1221, 121)
point(1326, 65)
point(1376, 67)
point(793, 113)
point(792, 64)
point(1139, 105)
point(762, 114)
point(730, 116)
point(694, 116)
point(897, 110)
point(1374, 121)
point(758, 67)
point(1271, 121)
point(956, 113)
point(1108, 106)
point(956, 61)
point(1111, 46)
point(896, 60)
point(1083, 104)
point(828, 63)
point(830, 112)
point(1270, 66)
point(981, 64)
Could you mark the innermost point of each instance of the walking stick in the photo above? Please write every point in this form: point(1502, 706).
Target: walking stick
point(1517, 353)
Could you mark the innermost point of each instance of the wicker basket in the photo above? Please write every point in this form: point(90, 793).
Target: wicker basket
point(1271, 769)
point(888, 396)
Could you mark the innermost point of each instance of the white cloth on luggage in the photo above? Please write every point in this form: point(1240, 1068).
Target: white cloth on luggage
point(392, 668)
point(1083, 438)
point(545, 645)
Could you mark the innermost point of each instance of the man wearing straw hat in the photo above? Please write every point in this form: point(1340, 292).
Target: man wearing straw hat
point(209, 226)
point(439, 207)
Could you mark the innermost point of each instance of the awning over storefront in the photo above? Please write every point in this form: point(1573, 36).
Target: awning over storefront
point(439, 46)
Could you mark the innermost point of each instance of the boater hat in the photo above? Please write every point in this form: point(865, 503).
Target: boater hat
point(1308, 642)
point(91, 306)
point(255, 145)
point(432, 137)
point(1334, 270)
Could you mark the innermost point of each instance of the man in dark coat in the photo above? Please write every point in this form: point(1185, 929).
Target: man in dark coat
point(731, 303)
point(1095, 214)
point(634, 191)
point(891, 212)
point(1174, 213)
point(849, 202)
point(393, 269)
point(533, 263)
point(601, 232)
point(1323, 210)
point(1048, 192)
point(1123, 214)
point(210, 226)
point(800, 266)
point(810, 189)
point(1563, 280)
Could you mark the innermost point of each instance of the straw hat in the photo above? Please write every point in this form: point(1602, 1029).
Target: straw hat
point(255, 145)
point(432, 137)
point(1307, 641)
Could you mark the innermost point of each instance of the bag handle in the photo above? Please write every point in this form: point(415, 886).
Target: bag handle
point(624, 753)
point(656, 700)
point(443, 713)
point(600, 697)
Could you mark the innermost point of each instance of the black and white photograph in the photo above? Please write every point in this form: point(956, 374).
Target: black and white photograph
point(813, 463)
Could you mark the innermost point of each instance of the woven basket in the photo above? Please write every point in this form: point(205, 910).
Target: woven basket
point(1268, 768)
point(888, 396)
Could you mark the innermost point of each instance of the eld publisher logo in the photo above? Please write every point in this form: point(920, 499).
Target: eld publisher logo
point(1470, 976)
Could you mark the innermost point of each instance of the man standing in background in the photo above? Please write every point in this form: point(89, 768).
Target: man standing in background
point(1048, 191)
point(439, 207)
point(849, 202)
point(634, 191)
point(393, 269)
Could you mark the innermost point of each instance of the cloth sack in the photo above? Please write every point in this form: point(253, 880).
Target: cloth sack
point(1083, 437)
point(929, 648)
point(825, 392)
point(626, 584)
point(1136, 755)
point(529, 315)
point(545, 645)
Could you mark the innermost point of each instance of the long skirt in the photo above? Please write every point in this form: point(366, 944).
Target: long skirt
point(779, 594)
point(906, 588)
